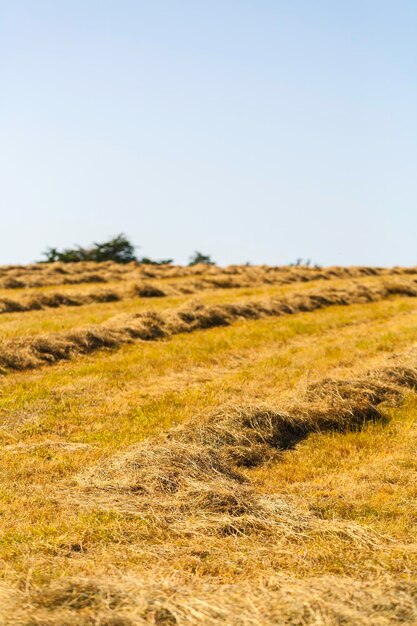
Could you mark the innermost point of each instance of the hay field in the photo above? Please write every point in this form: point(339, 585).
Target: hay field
point(205, 445)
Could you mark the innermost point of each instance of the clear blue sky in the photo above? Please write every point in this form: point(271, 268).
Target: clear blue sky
point(254, 130)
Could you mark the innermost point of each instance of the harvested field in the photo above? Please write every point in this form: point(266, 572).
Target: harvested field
point(150, 326)
point(143, 288)
point(244, 458)
point(53, 274)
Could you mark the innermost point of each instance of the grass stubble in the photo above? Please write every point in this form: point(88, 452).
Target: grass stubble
point(210, 538)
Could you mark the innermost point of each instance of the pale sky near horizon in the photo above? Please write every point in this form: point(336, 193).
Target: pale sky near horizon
point(258, 131)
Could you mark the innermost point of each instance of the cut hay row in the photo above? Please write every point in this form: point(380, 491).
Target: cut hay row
point(21, 354)
point(179, 271)
point(56, 300)
point(192, 472)
point(22, 281)
point(245, 280)
point(55, 274)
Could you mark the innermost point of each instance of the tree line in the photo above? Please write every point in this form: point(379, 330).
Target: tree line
point(118, 249)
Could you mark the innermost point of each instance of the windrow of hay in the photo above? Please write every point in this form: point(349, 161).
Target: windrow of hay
point(146, 289)
point(12, 282)
point(193, 472)
point(52, 274)
point(56, 300)
point(129, 601)
point(20, 354)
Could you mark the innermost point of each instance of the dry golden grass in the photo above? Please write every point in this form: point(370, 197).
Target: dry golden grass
point(53, 274)
point(257, 466)
point(20, 354)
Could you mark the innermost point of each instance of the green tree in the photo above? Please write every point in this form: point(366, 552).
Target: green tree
point(118, 249)
point(199, 257)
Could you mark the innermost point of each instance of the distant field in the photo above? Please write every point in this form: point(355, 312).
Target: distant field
point(205, 445)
